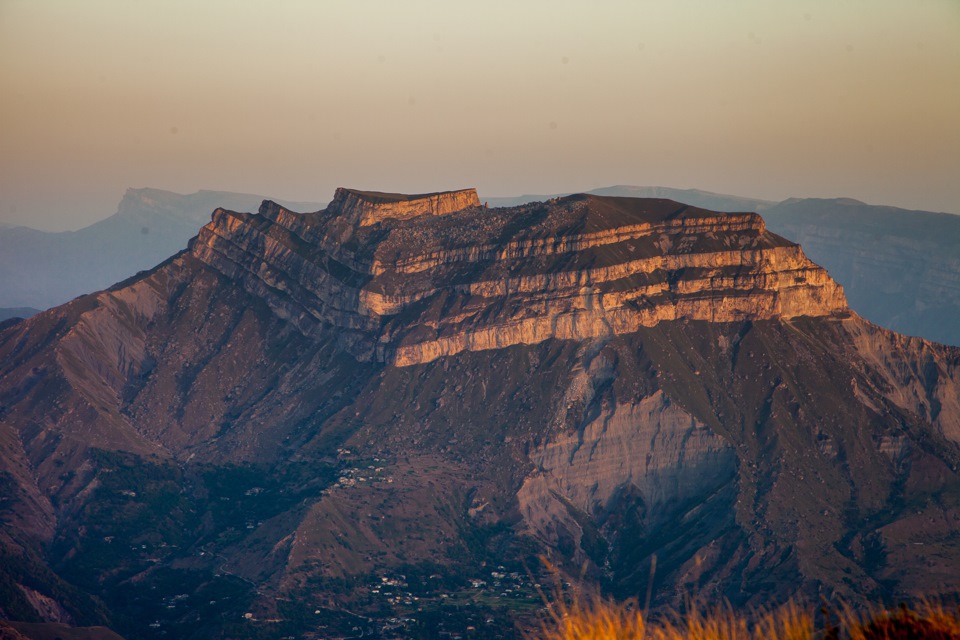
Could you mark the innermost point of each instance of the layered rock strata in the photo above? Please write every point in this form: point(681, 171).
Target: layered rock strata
point(370, 207)
point(413, 278)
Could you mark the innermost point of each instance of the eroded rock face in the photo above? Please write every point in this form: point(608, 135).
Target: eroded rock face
point(369, 207)
point(415, 278)
point(652, 449)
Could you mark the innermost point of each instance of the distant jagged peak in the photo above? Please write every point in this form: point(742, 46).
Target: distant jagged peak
point(370, 207)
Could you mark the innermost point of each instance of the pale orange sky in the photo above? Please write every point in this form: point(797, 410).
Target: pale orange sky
point(762, 98)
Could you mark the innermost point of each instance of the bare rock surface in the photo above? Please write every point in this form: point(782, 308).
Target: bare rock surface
point(370, 207)
point(575, 268)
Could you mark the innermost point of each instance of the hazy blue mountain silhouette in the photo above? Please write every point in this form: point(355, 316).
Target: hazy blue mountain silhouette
point(41, 268)
point(899, 268)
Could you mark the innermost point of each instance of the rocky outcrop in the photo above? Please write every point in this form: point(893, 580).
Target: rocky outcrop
point(413, 278)
point(370, 207)
point(651, 448)
point(916, 375)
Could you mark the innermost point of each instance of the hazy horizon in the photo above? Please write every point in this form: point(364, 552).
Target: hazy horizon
point(795, 99)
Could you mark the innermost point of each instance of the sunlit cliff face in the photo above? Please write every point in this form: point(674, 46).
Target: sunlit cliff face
point(414, 278)
point(790, 99)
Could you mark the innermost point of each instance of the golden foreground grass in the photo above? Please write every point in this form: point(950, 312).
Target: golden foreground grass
point(595, 618)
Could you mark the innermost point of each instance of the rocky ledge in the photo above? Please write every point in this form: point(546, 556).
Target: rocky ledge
point(370, 207)
point(408, 279)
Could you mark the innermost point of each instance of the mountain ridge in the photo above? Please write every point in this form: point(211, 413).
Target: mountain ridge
point(603, 294)
point(919, 242)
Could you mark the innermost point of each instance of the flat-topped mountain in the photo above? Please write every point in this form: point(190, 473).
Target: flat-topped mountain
point(696, 197)
point(898, 267)
point(576, 267)
point(377, 416)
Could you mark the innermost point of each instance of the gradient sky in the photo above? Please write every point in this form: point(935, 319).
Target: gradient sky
point(761, 98)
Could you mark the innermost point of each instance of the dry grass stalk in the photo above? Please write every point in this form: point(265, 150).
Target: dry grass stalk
point(595, 618)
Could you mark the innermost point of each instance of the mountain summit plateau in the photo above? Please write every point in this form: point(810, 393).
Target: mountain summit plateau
point(414, 278)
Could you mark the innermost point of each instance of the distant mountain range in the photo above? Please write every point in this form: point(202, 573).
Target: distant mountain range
point(42, 269)
point(900, 268)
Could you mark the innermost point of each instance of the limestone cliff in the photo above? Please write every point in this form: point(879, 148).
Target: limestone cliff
point(414, 278)
point(369, 207)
